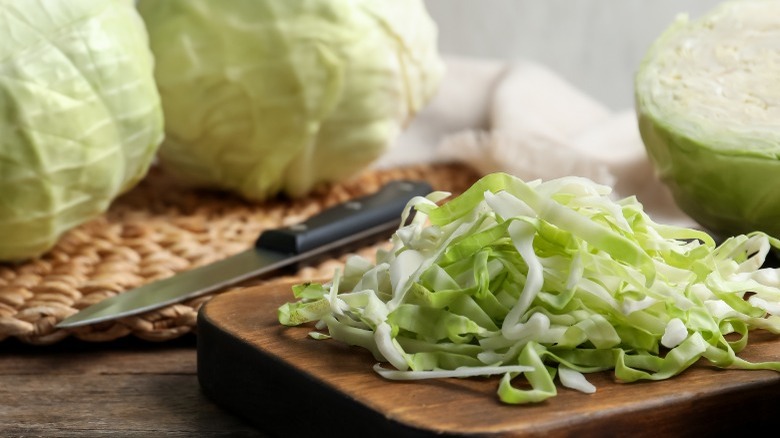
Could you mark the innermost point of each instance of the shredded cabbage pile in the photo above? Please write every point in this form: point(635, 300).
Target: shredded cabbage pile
point(544, 280)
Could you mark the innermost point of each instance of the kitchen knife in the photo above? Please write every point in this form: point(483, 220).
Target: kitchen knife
point(335, 228)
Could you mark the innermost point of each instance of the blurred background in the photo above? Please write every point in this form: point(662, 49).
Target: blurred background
point(594, 44)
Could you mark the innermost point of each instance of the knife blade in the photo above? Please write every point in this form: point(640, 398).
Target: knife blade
point(334, 228)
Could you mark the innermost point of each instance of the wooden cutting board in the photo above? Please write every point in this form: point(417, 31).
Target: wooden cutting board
point(291, 385)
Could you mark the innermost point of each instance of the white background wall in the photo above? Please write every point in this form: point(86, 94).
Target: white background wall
point(595, 44)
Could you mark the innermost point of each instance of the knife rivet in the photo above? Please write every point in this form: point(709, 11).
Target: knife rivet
point(406, 186)
point(353, 205)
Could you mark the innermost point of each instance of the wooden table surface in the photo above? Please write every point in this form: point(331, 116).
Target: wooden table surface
point(124, 388)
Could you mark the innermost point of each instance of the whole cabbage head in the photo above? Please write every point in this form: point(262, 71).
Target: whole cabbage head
point(80, 117)
point(708, 101)
point(268, 97)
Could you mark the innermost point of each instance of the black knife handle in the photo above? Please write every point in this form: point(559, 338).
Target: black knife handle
point(344, 220)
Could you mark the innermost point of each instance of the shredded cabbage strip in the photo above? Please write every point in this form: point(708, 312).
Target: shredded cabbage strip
point(546, 280)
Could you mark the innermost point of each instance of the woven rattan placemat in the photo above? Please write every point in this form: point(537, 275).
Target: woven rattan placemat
point(156, 230)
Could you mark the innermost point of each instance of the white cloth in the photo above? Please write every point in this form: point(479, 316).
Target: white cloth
point(524, 119)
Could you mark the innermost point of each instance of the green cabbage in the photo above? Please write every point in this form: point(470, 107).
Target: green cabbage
point(539, 281)
point(80, 117)
point(263, 97)
point(708, 102)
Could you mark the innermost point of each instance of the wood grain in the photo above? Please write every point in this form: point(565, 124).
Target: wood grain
point(250, 364)
point(127, 388)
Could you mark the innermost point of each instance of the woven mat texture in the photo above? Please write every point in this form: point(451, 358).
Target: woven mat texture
point(156, 230)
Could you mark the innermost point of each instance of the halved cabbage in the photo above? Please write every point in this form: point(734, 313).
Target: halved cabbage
point(708, 103)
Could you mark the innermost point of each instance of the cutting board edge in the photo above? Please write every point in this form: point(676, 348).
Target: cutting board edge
point(223, 358)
